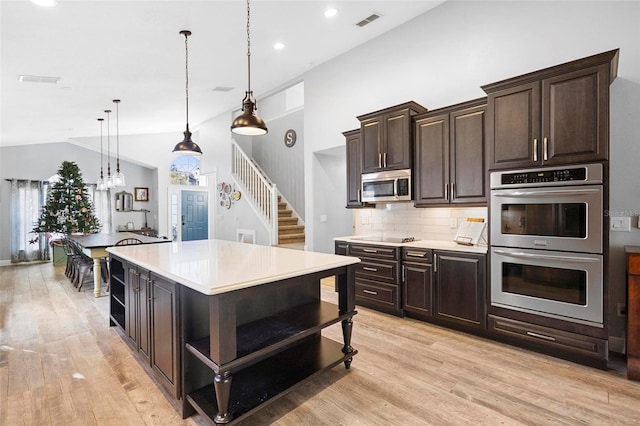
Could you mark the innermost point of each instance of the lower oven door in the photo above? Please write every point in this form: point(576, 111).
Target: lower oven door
point(567, 286)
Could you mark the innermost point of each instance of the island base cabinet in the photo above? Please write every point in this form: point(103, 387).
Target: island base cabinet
point(246, 348)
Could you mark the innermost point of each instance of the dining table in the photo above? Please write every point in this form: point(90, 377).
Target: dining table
point(95, 246)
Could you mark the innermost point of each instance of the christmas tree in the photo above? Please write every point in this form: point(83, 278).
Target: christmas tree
point(68, 208)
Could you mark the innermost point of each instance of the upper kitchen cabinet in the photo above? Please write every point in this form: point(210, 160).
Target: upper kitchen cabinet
point(387, 138)
point(354, 169)
point(559, 115)
point(450, 155)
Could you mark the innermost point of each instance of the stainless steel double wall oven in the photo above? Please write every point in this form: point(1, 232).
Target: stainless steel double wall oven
point(547, 242)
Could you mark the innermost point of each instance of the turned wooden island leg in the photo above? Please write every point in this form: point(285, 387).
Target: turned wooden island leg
point(96, 277)
point(222, 384)
point(347, 327)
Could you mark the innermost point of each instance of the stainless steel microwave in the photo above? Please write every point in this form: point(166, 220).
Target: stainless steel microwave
point(388, 186)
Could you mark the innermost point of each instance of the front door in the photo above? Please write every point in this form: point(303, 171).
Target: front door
point(195, 214)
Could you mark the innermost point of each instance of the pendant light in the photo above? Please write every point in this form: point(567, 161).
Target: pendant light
point(248, 123)
point(108, 183)
point(118, 178)
point(100, 184)
point(187, 146)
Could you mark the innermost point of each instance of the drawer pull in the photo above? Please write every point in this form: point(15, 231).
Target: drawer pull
point(366, 268)
point(416, 254)
point(369, 251)
point(375, 293)
point(541, 336)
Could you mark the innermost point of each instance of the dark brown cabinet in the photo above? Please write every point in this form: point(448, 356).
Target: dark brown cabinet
point(164, 328)
point(417, 281)
point(558, 115)
point(378, 277)
point(450, 155)
point(460, 288)
point(137, 324)
point(387, 138)
point(145, 307)
point(354, 169)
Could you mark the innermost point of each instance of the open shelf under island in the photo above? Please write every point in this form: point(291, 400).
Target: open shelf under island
point(230, 327)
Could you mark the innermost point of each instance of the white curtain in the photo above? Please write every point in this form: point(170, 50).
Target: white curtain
point(27, 199)
point(102, 207)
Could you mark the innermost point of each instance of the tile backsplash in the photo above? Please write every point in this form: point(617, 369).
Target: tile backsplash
point(404, 220)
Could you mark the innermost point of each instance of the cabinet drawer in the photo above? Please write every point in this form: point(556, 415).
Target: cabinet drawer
point(376, 292)
point(379, 271)
point(377, 252)
point(556, 339)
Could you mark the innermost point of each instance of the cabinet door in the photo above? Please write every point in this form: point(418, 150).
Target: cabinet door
point(144, 327)
point(460, 288)
point(164, 332)
point(513, 126)
point(371, 131)
point(397, 149)
point(432, 160)
point(467, 150)
point(417, 288)
point(132, 283)
point(354, 169)
point(575, 111)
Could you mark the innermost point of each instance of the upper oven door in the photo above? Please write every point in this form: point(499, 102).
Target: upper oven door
point(567, 218)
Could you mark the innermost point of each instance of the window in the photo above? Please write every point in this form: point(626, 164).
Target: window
point(185, 170)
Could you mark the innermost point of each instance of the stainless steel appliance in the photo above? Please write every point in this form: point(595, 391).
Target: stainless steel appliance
point(388, 186)
point(546, 229)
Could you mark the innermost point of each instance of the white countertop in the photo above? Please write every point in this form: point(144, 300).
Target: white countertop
point(219, 266)
point(432, 244)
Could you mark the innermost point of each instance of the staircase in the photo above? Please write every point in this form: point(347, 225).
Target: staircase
point(290, 233)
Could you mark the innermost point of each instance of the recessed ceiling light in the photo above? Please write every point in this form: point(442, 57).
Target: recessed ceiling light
point(278, 46)
point(330, 13)
point(45, 3)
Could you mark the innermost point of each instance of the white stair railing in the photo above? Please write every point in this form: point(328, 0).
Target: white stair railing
point(262, 193)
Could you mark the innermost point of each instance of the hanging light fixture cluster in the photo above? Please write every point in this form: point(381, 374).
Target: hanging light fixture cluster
point(248, 123)
point(187, 146)
point(117, 180)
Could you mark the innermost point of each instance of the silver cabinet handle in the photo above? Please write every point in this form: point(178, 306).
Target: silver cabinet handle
point(379, 160)
point(369, 250)
point(375, 293)
point(535, 150)
point(384, 160)
point(403, 272)
point(453, 190)
point(544, 149)
point(359, 196)
point(435, 262)
point(541, 336)
point(416, 253)
point(446, 191)
point(366, 268)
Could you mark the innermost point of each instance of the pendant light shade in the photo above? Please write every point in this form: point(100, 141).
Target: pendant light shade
point(187, 146)
point(108, 183)
point(248, 123)
point(100, 184)
point(118, 177)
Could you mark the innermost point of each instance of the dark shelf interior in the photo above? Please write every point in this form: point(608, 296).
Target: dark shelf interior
point(257, 338)
point(118, 317)
point(269, 379)
point(116, 268)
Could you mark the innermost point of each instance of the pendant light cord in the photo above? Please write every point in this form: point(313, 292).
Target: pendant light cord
point(248, 49)
point(117, 102)
point(186, 72)
point(101, 161)
point(108, 111)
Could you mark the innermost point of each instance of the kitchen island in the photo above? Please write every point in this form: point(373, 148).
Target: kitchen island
point(229, 327)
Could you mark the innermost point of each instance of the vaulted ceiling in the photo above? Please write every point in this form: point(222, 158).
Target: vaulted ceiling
point(132, 50)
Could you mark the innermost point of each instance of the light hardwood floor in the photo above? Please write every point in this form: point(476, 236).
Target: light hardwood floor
point(61, 363)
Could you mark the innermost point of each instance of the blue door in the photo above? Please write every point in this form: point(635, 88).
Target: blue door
point(195, 215)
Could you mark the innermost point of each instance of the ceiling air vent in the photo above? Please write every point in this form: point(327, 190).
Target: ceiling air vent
point(369, 19)
point(38, 79)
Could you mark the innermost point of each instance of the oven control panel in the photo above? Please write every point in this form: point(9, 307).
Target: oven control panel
point(550, 176)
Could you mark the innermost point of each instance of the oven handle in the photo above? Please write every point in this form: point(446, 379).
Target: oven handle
point(547, 192)
point(522, 255)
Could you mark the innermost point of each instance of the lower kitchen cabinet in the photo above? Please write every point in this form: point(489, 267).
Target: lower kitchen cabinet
point(460, 288)
point(145, 307)
point(417, 281)
point(378, 277)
